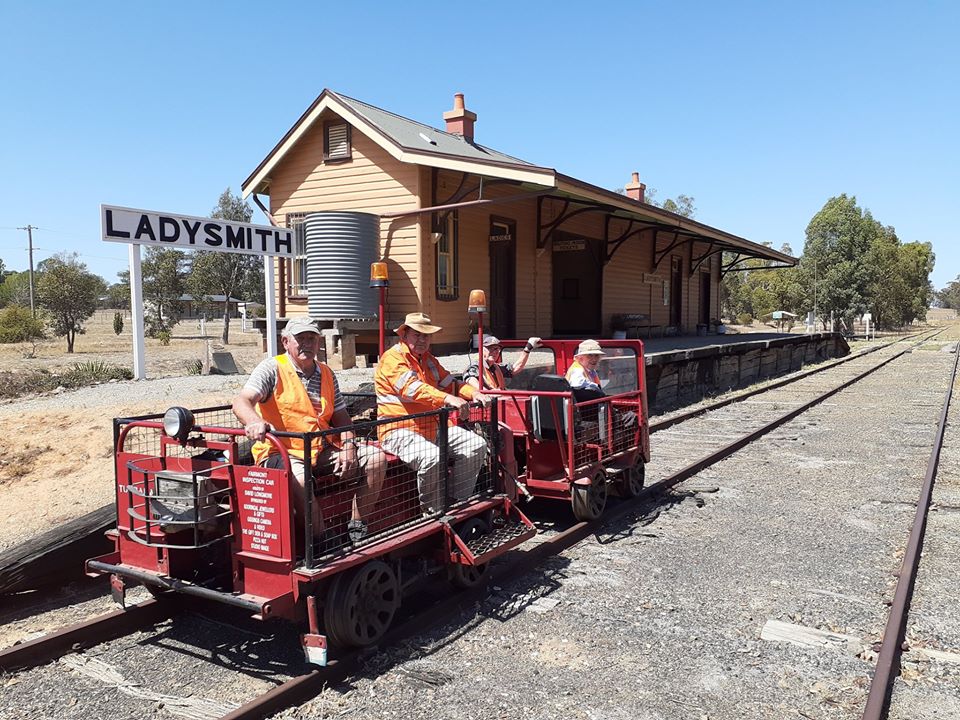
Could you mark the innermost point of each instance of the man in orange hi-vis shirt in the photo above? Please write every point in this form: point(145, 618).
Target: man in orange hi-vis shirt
point(410, 380)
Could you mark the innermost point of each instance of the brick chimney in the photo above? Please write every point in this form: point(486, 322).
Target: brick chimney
point(460, 120)
point(635, 188)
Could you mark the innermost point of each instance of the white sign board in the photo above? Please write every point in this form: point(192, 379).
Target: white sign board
point(186, 232)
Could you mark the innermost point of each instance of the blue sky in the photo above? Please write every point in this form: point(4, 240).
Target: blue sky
point(759, 110)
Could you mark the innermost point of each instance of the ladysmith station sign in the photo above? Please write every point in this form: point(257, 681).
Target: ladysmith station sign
point(145, 227)
point(185, 232)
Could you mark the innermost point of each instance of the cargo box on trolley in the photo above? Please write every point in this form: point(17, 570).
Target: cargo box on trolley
point(196, 517)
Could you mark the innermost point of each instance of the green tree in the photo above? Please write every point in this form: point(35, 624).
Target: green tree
point(118, 294)
point(683, 205)
point(17, 324)
point(838, 240)
point(164, 281)
point(916, 263)
point(949, 296)
point(227, 274)
point(69, 294)
point(15, 289)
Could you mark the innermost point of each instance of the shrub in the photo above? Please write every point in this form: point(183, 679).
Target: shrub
point(17, 324)
point(195, 367)
point(16, 384)
point(118, 322)
point(93, 371)
point(744, 319)
point(164, 337)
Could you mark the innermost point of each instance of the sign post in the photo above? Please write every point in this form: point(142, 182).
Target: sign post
point(148, 227)
point(136, 310)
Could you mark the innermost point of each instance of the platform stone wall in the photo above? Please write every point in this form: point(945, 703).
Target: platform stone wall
point(684, 377)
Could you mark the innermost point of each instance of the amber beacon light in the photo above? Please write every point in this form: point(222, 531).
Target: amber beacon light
point(379, 277)
point(477, 302)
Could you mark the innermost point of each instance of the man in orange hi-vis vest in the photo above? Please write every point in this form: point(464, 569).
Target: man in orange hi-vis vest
point(410, 380)
point(294, 392)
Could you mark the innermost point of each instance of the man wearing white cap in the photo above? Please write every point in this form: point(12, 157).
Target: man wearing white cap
point(409, 380)
point(582, 373)
point(294, 392)
point(495, 373)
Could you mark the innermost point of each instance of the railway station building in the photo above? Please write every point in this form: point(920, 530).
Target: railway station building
point(557, 256)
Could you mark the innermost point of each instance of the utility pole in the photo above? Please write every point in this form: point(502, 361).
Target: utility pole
point(30, 229)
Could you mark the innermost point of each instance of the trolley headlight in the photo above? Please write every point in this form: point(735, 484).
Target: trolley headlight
point(177, 423)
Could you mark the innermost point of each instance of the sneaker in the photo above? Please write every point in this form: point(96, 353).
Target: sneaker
point(357, 530)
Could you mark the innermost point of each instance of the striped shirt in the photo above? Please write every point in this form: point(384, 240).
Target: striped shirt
point(263, 380)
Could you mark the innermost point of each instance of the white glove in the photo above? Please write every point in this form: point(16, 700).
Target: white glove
point(532, 343)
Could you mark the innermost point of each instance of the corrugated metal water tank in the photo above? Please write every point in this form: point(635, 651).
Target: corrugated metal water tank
point(340, 248)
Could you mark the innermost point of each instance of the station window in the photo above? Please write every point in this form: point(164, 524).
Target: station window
point(446, 235)
point(297, 267)
point(336, 142)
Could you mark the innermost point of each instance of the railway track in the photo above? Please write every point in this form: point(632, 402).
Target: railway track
point(694, 441)
point(887, 697)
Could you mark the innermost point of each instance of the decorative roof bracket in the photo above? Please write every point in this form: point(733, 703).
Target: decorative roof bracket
point(552, 226)
point(677, 242)
point(696, 262)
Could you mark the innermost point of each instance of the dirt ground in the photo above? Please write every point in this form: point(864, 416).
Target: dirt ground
point(56, 461)
point(99, 342)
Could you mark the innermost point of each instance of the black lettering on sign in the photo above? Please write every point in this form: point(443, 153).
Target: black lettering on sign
point(235, 237)
point(143, 228)
point(213, 234)
point(110, 231)
point(168, 223)
point(192, 230)
point(264, 234)
point(286, 241)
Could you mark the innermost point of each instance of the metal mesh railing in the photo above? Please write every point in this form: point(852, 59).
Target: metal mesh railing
point(408, 468)
point(603, 429)
point(146, 441)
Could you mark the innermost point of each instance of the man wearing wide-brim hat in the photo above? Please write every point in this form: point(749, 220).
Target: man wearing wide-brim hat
point(409, 380)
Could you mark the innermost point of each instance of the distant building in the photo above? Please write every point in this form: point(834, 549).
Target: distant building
point(211, 306)
point(556, 255)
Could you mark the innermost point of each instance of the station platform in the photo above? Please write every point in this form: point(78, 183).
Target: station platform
point(684, 369)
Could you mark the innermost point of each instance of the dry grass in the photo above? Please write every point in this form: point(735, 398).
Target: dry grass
point(100, 343)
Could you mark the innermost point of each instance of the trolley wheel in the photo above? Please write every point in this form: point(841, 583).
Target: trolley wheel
point(632, 479)
point(468, 576)
point(360, 604)
point(588, 502)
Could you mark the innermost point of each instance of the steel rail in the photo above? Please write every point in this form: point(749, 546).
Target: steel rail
point(88, 633)
point(888, 659)
point(305, 686)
